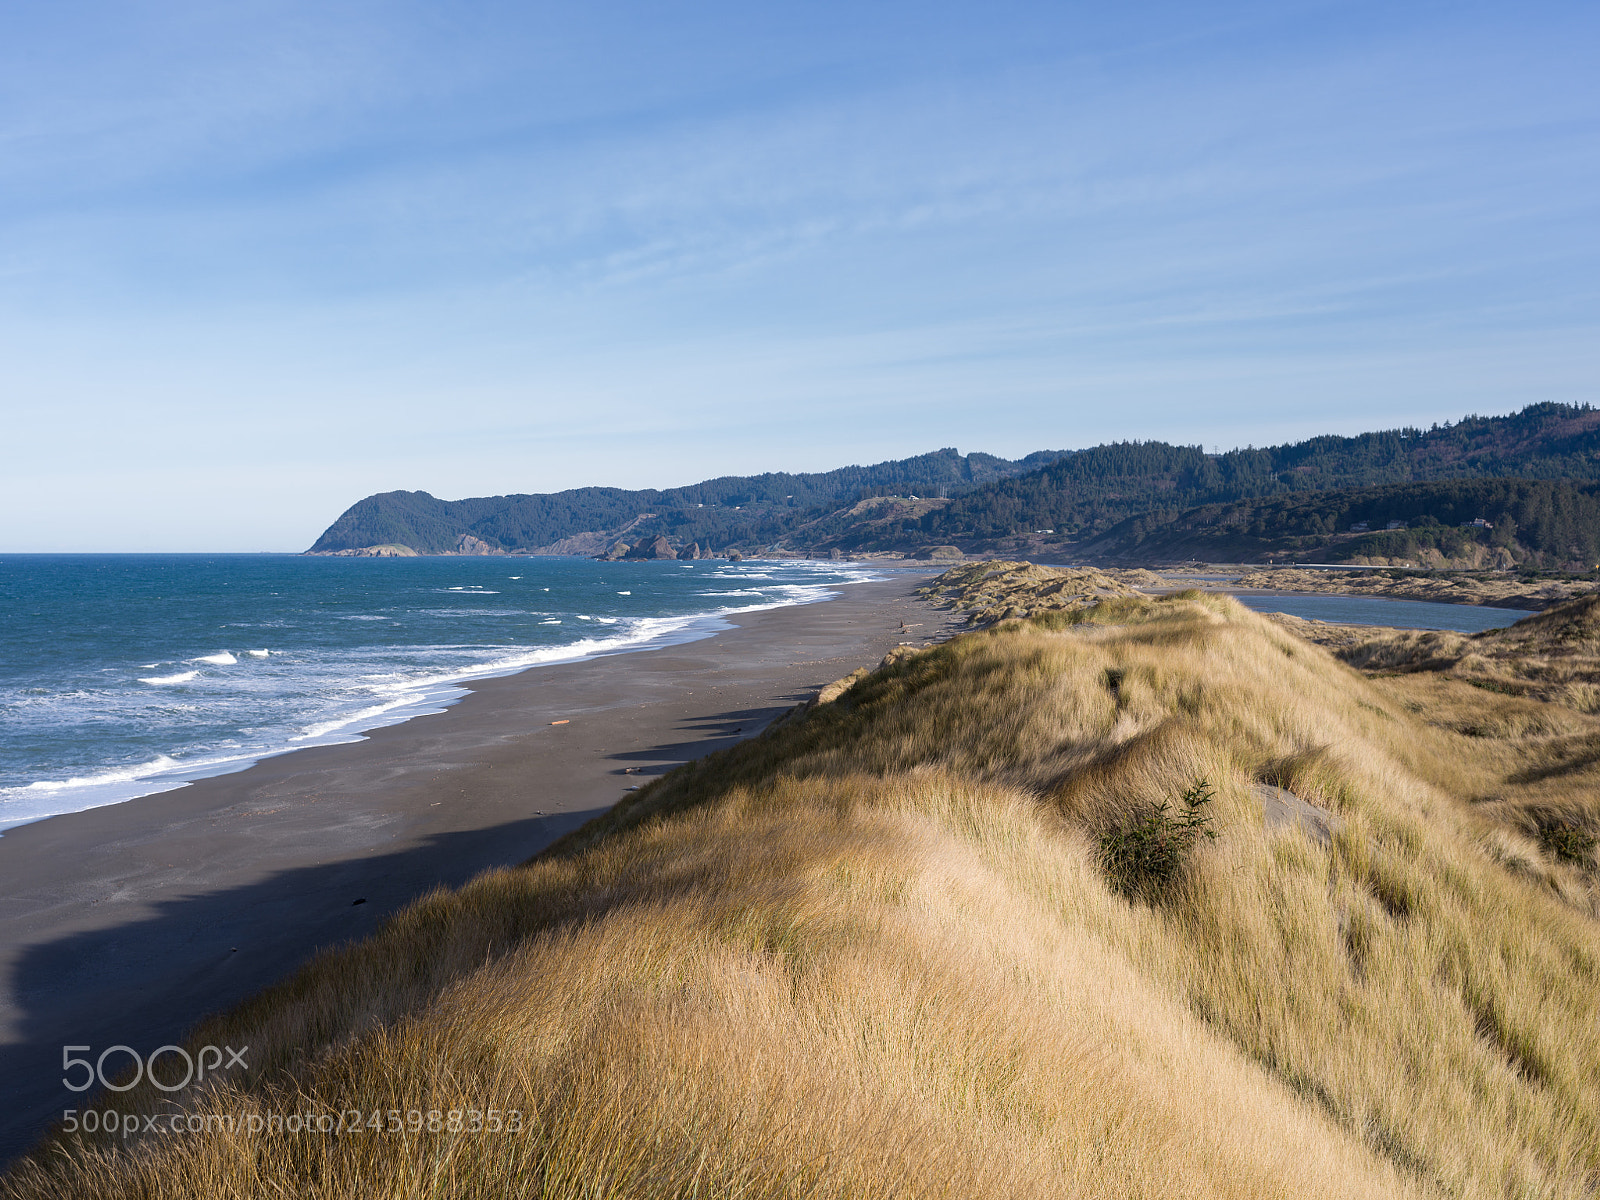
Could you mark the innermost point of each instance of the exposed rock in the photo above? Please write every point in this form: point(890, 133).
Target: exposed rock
point(467, 544)
point(734, 555)
point(692, 551)
point(388, 550)
point(619, 549)
point(592, 543)
point(835, 554)
point(657, 548)
point(939, 552)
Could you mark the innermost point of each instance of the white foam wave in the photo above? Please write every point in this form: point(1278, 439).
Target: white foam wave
point(420, 696)
point(46, 797)
point(364, 718)
point(624, 593)
point(371, 704)
point(258, 653)
point(117, 775)
point(223, 659)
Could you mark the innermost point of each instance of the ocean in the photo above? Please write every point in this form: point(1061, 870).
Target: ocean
point(126, 674)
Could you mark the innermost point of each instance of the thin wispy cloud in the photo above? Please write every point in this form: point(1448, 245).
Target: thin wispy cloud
point(460, 242)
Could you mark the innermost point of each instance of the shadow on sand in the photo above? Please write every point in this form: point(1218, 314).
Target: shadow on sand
point(144, 983)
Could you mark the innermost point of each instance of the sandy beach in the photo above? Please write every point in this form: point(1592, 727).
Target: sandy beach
point(126, 924)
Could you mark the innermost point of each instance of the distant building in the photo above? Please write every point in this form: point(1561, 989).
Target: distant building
point(1476, 523)
point(1395, 525)
point(1359, 527)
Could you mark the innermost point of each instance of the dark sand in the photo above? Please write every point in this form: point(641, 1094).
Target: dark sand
point(126, 924)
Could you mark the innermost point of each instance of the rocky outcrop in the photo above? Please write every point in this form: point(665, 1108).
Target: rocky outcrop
point(619, 549)
point(692, 551)
point(392, 550)
point(592, 543)
point(658, 548)
point(467, 544)
point(734, 556)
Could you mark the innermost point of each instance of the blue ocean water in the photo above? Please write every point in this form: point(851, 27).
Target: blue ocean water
point(122, 675)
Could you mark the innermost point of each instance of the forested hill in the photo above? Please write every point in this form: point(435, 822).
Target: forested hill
point(1463, 522)
point(1087, 493)
point(977, 501)
point(742, 510)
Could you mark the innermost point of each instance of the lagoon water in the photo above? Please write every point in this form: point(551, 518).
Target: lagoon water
point(122, 675)
point(1379, 610)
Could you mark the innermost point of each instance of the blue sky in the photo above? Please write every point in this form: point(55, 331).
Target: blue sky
point(258, 260)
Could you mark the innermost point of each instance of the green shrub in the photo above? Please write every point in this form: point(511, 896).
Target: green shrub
point(1143, 856)
point(1568, 842)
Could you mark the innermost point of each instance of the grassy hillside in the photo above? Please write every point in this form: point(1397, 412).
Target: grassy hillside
point(878, 952)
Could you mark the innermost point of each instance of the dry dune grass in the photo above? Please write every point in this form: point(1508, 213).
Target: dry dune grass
point(872, 953)
point(995, 590)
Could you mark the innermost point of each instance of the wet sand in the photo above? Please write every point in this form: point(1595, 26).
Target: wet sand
point(127, 924)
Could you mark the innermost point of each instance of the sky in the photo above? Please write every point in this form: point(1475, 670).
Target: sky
point(261, 259)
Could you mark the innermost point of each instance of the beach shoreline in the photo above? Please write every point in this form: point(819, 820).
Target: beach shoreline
point(125, 924)
point(323, 709)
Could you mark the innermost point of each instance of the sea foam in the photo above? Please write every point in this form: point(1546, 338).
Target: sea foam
point(116, 775)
